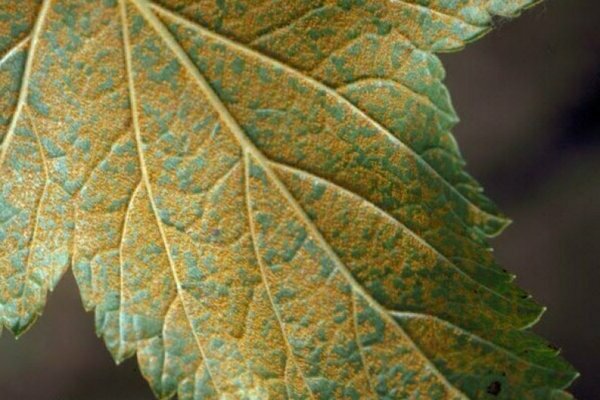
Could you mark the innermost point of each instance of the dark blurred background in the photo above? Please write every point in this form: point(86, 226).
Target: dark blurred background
point(529, 99)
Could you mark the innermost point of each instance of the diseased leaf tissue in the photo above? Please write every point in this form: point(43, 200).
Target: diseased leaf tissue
point(261, 198)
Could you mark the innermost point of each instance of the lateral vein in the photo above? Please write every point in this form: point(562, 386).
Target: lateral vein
point(148, 186)
point(24, 91)
point(12, 51)
point(263, 273)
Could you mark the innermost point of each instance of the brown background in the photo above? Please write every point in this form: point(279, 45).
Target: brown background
point(529, 98)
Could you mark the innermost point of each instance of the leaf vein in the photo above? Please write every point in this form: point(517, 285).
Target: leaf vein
point(147, 185)
point(13, 50)
point(263, 275)
point(38, 209)
point(24, 90)
point(388, 216)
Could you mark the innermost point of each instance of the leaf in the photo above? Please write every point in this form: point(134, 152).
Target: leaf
point(262, 199)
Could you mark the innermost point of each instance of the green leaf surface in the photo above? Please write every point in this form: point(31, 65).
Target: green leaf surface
point(261, 199)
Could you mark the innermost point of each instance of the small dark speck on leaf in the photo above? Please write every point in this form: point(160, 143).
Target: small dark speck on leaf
point(494, 388)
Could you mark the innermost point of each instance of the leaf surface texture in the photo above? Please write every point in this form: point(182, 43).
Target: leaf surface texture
point(262, 199)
